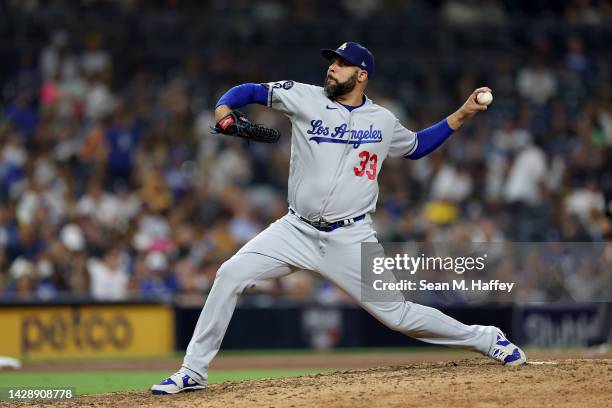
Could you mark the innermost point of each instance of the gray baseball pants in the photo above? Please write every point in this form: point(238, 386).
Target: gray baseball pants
point(290, 244)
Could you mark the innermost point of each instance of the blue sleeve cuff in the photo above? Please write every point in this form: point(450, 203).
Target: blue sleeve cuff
point(430, 139)
point(244, 94)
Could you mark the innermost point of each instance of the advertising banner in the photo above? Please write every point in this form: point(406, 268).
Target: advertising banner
point(86, 330)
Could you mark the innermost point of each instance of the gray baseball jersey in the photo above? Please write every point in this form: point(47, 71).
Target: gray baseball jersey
point(336, 155)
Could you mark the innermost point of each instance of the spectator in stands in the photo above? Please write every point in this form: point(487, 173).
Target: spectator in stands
point(22, 281)
point(56, 60)
point(526, 188)
point(122, 138)
point(22, 114)
point(109, 276)
point(536, 82)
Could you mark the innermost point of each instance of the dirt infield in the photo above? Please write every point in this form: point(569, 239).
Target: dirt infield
point(475, 382)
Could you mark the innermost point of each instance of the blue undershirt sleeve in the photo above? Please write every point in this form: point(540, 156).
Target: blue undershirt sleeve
point(429, 139)
point(244, 94)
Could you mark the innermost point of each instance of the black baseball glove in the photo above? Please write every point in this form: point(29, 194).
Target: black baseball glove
point(236, 124)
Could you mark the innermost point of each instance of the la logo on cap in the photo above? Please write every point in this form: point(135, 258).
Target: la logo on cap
point(342, 47)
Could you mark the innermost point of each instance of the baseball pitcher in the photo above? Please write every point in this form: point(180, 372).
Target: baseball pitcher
point(339, 141)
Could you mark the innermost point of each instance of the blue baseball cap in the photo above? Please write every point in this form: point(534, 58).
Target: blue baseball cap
point(354, 53)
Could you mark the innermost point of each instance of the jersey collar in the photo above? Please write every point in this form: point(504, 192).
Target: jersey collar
point(352, 108)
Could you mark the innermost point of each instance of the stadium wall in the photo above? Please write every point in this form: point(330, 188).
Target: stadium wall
point(133, 329)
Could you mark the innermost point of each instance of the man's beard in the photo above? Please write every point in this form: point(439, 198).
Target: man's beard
point(334, 89)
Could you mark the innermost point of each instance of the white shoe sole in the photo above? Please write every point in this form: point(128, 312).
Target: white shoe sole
point(176, 391)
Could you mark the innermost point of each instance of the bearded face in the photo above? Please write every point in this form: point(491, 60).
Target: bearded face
point(334, 89)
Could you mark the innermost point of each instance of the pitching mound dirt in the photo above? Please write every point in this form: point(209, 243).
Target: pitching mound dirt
point(476, 382)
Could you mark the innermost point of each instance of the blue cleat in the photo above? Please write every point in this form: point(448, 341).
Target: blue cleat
point(506, 352)
point(177, 382)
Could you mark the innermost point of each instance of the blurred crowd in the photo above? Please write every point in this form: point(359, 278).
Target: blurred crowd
point(112, 186)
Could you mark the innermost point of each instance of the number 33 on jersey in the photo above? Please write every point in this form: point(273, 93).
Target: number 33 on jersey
point(368, 160)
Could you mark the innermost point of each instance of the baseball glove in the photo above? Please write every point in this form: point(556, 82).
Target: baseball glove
point(236, 124)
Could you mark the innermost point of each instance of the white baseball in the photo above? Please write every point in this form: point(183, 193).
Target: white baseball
point(484, 98)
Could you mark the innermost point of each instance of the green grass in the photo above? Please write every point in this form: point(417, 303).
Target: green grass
point(114, 381)
point(247, 352)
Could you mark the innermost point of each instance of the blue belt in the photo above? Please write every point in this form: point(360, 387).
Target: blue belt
point(328, 226)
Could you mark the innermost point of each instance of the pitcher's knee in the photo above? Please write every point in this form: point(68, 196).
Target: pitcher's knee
point(233, 273)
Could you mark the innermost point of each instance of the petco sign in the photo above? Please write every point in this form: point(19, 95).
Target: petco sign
point(87, 330)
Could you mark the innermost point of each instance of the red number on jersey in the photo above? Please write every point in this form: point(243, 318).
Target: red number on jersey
point(361, 170)
point(372, 172)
